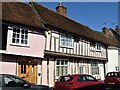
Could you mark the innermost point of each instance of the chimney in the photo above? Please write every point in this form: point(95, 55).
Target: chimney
point(61, 9)
point(105, 30)
point(117, 29)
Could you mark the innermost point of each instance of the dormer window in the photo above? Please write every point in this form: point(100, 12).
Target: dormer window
point(66, 41)
point(98, 47)
point(20, 36)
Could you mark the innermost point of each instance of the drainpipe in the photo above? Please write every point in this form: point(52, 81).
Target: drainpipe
point(106, 61)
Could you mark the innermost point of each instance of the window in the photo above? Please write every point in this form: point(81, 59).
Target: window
point(112, 74)
point(13, 82)
point(92, 46)
point(86, 78)
point(65, 79)
point(94, 68)
point(20, 36)
point(90, 78)
point(98, 46)
point(61, 67)
point(81, 79)
point(66, 41)
point(23, 69)
point(81, 70)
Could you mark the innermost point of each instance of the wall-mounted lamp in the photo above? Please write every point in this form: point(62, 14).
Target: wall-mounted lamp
point(49, 32)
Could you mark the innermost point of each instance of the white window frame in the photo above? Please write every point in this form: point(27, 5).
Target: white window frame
point(92, 46)
point(68, 37)
point(95, 65)
point(83, 65)
point(61, 66)
point(20, 37)
point(98, 47)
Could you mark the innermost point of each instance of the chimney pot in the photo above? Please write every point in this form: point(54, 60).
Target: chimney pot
point(61, 9)
point(105, 30)
point(117, 28)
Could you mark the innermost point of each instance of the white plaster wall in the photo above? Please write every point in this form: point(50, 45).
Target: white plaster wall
point(101, 71)
point(119, 58)
point(39, 81)
point(112, 60)
point(44, 72)
point(51, 72)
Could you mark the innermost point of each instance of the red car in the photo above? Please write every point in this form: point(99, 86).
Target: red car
point(78, 82)
point(112, 79)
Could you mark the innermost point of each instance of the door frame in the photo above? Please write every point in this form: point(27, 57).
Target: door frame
point(28, 62)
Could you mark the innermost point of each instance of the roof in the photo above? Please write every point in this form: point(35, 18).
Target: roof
point(20, 13)
point(66, 24)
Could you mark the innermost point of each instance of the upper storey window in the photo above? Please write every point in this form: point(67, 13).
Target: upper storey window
point(66, 41)
point(98, 47)
point(20, 36)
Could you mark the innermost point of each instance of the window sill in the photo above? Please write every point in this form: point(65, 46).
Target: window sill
point(20, 45)
point(66, 47)
point(92, 50)
point(98, 50)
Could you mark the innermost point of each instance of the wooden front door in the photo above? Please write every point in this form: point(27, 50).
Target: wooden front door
point(28, 71)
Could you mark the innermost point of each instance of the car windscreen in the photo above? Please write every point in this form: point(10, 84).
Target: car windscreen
point(65, 79)
point(113, 74)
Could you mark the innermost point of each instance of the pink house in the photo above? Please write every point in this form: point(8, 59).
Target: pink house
point(23, 42)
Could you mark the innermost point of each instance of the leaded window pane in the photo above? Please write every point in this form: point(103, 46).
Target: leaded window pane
point(94, 69)
point(61, 67)
point(20, 36)
point(62, 62)
point(66, 40)
point(13, 40)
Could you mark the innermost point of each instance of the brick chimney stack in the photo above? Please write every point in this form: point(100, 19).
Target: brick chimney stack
point(105, 30)
point(117, 28)
point(61, 9)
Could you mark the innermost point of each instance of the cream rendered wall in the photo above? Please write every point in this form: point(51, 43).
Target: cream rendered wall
point(112, 59)
point(35, 47)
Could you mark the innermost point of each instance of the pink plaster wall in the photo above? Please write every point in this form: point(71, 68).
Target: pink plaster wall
point(8, 68)
point(35, 47)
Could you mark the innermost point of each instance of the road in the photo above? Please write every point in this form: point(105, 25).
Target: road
point(113, 88)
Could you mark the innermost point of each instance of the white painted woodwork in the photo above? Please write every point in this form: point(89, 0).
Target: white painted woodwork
point(51, 72)
point(82, 47)
point(44, 72)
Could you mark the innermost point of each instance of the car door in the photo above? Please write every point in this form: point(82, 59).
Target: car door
point(92, 82)
point(81, 82)
point(12, 83)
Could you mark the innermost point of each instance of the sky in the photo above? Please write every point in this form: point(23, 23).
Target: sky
point(95, 15)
